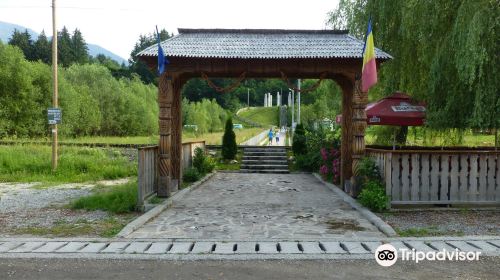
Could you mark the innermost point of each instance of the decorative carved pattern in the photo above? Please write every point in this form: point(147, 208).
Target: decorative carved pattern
point(165, 92)
point(359, 102)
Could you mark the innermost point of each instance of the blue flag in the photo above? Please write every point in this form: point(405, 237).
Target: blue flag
point(162, 60)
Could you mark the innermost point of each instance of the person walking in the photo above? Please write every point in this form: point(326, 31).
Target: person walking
point(270, 135)
point(277, 137)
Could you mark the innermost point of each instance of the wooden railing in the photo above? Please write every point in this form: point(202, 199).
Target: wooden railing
point(188, 152)
point(439, 177)
point(147, 174)
point(147, 171)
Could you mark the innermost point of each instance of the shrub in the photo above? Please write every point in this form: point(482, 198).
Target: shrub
point(229, 147)
point(201, 162)
point(373, 196)
point(191, 175)
point(299, 141)
point(368, 169)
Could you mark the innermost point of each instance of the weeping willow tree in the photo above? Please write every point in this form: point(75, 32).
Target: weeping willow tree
point(445, 52)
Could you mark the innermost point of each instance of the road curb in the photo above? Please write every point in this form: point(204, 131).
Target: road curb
point(372, 218)
point(146, 217)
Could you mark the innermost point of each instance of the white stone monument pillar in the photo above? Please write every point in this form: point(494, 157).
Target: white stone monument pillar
point(289, 100)
point(270, 102)
point(265, 100)
point(278, 99)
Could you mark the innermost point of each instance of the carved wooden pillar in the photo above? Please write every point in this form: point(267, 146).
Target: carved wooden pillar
point(177, 136)
point(359, 102)
point(165, 95)
point(346, 147)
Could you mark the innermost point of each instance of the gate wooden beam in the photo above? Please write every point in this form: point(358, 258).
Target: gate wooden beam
point(165, 98)
point(177, 135)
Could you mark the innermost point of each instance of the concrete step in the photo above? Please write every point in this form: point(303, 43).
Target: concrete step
point(264, 154)
point(264, 157)
point(264, 150)
point(264, 166)
point(267, 171)
point(265, 161)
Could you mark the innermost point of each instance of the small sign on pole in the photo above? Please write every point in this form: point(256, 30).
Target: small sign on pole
point(54, 115)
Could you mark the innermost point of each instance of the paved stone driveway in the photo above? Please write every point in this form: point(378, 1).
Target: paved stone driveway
point(239, 206)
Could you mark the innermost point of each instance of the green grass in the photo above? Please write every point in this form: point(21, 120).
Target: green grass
point(225, 164)
point(32, 163)
point(215, 138)
point(266, 116)
point(426, 231)
point(117, 199)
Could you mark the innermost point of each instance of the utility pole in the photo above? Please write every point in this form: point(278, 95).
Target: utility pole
point(298, 101)
point(54, 74)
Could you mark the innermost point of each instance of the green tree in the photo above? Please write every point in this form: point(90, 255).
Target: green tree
point(23, 41)
point(448, 58)
point(43, 49)
point(229, 147)
point(299, 140)
point(79, 49)
point(64, 47)
point(139, 67)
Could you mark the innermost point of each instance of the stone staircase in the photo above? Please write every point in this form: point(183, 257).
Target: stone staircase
point(264, 159)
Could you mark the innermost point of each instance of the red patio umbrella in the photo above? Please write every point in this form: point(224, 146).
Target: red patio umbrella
point(398, 110)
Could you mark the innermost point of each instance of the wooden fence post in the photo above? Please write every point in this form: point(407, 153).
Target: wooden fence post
point(359, 102)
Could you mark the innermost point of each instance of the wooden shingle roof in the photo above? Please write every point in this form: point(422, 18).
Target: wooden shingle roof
point(262, 44)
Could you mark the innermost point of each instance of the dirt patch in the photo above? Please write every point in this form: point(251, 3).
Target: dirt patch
point(345, 224)
point(444, 222)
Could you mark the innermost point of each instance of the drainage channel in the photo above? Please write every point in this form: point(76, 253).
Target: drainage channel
point(491, 247)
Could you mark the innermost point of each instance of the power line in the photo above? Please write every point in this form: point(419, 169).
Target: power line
point(73, 8)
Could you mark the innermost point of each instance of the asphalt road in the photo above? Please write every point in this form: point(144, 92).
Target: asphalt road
point(54, 269)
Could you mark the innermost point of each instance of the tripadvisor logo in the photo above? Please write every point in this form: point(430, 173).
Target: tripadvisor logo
point(386, 255)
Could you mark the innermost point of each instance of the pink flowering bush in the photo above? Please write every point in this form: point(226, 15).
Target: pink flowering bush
point(330, 169)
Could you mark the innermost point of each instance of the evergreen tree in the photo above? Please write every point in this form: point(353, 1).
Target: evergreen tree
point(43, 49)
point(23, 41)
point(229, 147)
point(139, 67)
point(64, 45)
point(79, 49)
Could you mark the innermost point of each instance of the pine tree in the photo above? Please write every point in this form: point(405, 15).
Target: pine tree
point(79, 49)
point(229, 147)
point(23, 41)
point(65, 54)
point(43, 49)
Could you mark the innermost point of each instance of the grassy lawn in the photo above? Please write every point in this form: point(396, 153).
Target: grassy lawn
point(214, 138)
point(434, 139)
point(267, 116)
point(118, 199)
point(32, 163)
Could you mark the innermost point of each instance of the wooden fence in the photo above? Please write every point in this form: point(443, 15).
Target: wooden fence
point(439, 177)
point(147, 172)
point(188, 152)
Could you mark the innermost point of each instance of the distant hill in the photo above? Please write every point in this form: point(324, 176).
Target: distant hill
point(6, 30)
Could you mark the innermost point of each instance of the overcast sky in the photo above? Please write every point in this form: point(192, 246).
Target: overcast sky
point(117, 24)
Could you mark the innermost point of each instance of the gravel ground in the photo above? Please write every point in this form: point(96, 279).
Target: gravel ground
point(22, 205)
point(446, 222)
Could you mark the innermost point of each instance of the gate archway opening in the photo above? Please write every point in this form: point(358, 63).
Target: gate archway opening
point(258, 53)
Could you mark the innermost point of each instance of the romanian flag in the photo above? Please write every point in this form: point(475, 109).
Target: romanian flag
point(369, 71)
